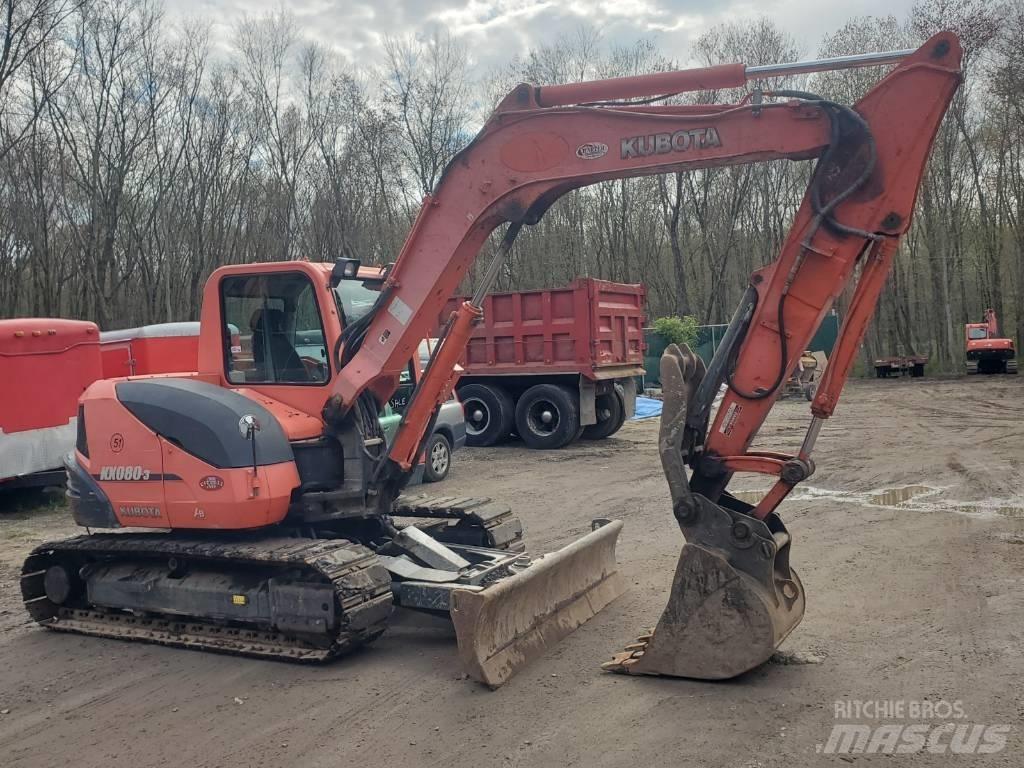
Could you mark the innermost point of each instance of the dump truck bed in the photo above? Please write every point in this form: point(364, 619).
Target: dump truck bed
point(590, 327)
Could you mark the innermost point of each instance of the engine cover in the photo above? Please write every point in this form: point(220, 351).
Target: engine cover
point(169, 453)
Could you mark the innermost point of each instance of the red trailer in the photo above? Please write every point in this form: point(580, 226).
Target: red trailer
point(162, 348)
point(554, 364)
point(47, 364)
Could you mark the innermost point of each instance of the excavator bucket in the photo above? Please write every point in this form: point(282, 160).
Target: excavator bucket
point(734, 597)
point(505, 626)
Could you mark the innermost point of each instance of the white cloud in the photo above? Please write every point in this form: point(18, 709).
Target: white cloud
point(496, 30)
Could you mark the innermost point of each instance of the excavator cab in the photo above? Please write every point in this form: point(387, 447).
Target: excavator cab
point(281, 316)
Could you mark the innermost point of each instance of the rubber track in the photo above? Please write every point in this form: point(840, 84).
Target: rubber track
point(500, 529)
point(362, 586)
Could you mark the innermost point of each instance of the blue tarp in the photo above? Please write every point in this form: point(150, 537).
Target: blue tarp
point(647, 408)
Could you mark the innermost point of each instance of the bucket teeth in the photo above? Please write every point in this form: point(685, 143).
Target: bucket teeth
point(719, 622)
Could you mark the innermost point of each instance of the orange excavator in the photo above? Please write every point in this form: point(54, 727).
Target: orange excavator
point(282, 529)
point(987, 351)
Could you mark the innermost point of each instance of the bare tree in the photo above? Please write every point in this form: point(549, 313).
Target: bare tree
point(427, 87)
point(28, 28)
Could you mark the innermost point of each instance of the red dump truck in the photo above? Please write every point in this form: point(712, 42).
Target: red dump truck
point(553, 365)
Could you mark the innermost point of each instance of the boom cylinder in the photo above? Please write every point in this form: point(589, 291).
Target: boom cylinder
point(703, 79)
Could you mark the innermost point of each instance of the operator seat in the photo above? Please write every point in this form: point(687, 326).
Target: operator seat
point(268, 333)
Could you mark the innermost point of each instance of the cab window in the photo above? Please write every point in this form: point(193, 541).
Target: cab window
point(355, 298)
point(273, 332)
point(976, 334)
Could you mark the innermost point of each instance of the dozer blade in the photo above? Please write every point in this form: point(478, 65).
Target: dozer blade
point(504, 627)
point(734, 597)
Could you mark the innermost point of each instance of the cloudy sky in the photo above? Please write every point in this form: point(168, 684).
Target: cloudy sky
point(495, 30)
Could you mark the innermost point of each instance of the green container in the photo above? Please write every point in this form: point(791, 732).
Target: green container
point(655, 344)
point(710, 336)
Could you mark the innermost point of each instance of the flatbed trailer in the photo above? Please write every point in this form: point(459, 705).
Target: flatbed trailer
point(901, 365)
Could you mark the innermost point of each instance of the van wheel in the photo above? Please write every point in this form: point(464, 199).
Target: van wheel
point(547, 416)
point(489, 413)
point(438, 459)
point(611, 414)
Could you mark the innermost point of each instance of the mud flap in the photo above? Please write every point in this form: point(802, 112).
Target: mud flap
point(504, 627)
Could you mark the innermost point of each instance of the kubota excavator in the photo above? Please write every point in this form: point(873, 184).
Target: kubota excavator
point(987, 351)
point(283, 531)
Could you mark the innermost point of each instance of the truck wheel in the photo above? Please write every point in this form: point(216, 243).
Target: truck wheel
point(489, 413)
point(547, 416)
point(438, 458)
point(611, 415)
point(810, 390)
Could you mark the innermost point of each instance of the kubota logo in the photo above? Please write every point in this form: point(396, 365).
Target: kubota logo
point(138, 511)
point(663, 143)
point(211, 483)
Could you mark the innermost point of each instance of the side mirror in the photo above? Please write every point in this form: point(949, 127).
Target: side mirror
point(248, 426)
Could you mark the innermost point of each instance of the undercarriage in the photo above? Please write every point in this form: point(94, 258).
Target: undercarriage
point(312, 594)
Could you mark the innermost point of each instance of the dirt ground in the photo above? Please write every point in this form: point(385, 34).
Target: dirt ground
point(908, 601)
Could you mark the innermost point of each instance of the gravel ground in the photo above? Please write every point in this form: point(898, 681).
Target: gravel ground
point(909, 541)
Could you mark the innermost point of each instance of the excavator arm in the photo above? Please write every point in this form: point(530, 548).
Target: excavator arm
point(734, 595)
point(542, 142)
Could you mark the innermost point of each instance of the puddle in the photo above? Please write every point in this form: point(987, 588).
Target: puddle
point(889, 497)
point(914, 498)
point(1017, 513)
point(893, 497)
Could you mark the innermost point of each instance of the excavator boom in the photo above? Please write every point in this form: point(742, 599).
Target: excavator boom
point(734, 597)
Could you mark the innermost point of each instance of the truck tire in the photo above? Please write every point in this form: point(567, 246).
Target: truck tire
point(610, 406)
point(547, 416)
point(489, 413)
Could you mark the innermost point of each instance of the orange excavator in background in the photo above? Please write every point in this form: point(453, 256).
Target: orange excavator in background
point(284, 531)
point(987, 351)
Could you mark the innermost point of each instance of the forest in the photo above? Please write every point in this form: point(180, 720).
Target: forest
point(136, 156)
